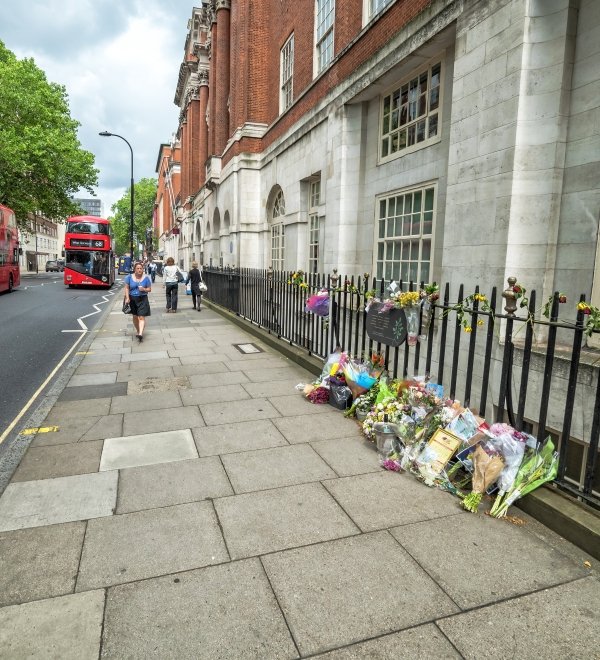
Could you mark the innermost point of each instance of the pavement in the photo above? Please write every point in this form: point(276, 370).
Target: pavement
point(182, 500)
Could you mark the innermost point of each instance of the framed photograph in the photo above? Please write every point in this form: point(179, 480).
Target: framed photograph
point(440, 449)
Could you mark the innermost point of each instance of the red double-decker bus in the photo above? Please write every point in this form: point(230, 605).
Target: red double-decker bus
point(10, 274)
point(89, 256)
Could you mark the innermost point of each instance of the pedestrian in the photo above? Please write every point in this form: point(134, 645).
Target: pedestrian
point(153, 271)
point(171, 284)
point(137, 288)
point(194, 278)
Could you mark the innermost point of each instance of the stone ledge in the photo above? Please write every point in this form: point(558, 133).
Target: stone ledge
point(562, 514)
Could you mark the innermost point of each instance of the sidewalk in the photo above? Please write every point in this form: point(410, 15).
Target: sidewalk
point(191, 504)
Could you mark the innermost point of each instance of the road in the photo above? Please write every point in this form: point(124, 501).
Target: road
point(38, 326)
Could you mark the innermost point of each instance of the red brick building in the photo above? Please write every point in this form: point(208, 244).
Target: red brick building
point(447, 140)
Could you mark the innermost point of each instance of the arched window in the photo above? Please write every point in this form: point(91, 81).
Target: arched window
point(278, 231)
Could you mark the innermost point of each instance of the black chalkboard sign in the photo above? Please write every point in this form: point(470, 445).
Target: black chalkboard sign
point(388, 327)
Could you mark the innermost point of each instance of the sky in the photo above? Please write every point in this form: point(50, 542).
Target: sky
point(119, 62)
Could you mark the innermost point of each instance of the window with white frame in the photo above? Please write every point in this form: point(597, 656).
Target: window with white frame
point(278, 232)
point(406, 222)
point(287, 74)
point(410, 116)
point(325, 14)
point(375, 6)
point(314, 228)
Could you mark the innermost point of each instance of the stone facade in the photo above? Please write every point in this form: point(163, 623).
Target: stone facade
point(514, 166)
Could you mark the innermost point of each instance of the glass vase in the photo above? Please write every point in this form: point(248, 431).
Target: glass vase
point(412, 324)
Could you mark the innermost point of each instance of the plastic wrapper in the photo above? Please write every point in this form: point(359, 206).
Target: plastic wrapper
point(488, 463)
point(340, 395)
point(318, 303)
point(513, 450)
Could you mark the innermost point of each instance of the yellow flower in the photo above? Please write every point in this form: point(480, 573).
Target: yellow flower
point(468, 328)
point(480, 322)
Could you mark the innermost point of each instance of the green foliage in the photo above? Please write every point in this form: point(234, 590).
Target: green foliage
point(144, 195)
point(42, 164)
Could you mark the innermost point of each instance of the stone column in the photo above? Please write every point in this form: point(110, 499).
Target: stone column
point(203, 126)
point(212, 100)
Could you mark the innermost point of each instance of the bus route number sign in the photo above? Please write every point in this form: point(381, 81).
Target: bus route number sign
point(387, 327)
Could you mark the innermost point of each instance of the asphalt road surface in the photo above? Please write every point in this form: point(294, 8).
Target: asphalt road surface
point(38, 326)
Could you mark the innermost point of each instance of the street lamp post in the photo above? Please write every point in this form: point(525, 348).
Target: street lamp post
point(107, 134)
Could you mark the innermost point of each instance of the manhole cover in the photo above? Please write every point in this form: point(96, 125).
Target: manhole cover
point(248, 348)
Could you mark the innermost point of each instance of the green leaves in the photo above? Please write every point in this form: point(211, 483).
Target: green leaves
point(144, 194)
point(42, 164)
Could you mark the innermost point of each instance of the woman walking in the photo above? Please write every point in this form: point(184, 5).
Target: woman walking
point(171, 284)
point(194, 278)
point(137, 288)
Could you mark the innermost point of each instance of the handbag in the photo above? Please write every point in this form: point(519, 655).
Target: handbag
point(203, 288)
point(126, 307)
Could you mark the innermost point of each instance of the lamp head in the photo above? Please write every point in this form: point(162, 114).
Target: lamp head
point(105, 134)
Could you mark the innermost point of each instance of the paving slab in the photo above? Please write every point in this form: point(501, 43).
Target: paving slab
point(136, 546)
point(259, 363)
point(263, 373)
point(93, 379)
point(108, 426)
point(234, 438)
point(67, 411)
point(295, 404)
point(200, 372)
point(67, 627)
point(52, 501)
point(214, 394)
point(145, 401)
point(348, 456)
point(235, 411)
point(521, 562)
point(344, 591)
point(225, 377)
point(307, 428)
point(385, 499)
point(270, 388)
point(420, 643)
point(59, 461)
point(201, 360)
point(155, 421)
point(184, 349)
point(40, 562)
point(559, 623)
point(68, 431)
point(144, 365)
point(275, 467)
point(148, 449)
point(101, 358)
point(272, 520)
point(236, 616)
point(144, 357)
point(140, 374)
point(157, 384)
point(87, 392)
point(166, 484)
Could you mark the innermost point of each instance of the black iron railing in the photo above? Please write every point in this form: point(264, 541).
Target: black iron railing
point(510, 367)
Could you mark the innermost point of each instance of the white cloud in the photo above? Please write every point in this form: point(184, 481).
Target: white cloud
point(119, 61)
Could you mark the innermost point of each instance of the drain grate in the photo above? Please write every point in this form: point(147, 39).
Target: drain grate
point(248, 348)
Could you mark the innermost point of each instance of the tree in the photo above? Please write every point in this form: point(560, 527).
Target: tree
point(42, 164)
point(144, 194)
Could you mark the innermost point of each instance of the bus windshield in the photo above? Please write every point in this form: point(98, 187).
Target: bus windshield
point(80, 227)
point(88, 262)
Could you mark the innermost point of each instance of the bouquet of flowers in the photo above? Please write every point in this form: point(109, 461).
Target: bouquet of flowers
point(318, 303)
point(488, 463)
point(537, 469)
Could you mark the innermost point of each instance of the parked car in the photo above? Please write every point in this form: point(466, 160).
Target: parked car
point(55, 265)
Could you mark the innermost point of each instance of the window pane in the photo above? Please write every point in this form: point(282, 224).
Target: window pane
point(380, 251)
point(388, 270)
point(389, 251)
point(433, 126)
point(426, 251)
point(404, 271)
point(381, 228)
point(390, 228)
point(398, 227)
point(384, 148)
point(425, 272)
point(379, 269)
point(415, 229)
point(413, 272)
point(427, 222)
point(396, 271)
point(392, 206)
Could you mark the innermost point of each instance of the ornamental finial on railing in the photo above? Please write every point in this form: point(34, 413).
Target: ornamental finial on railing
point(270, 273)
point(334, 279)
point(510, 296)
